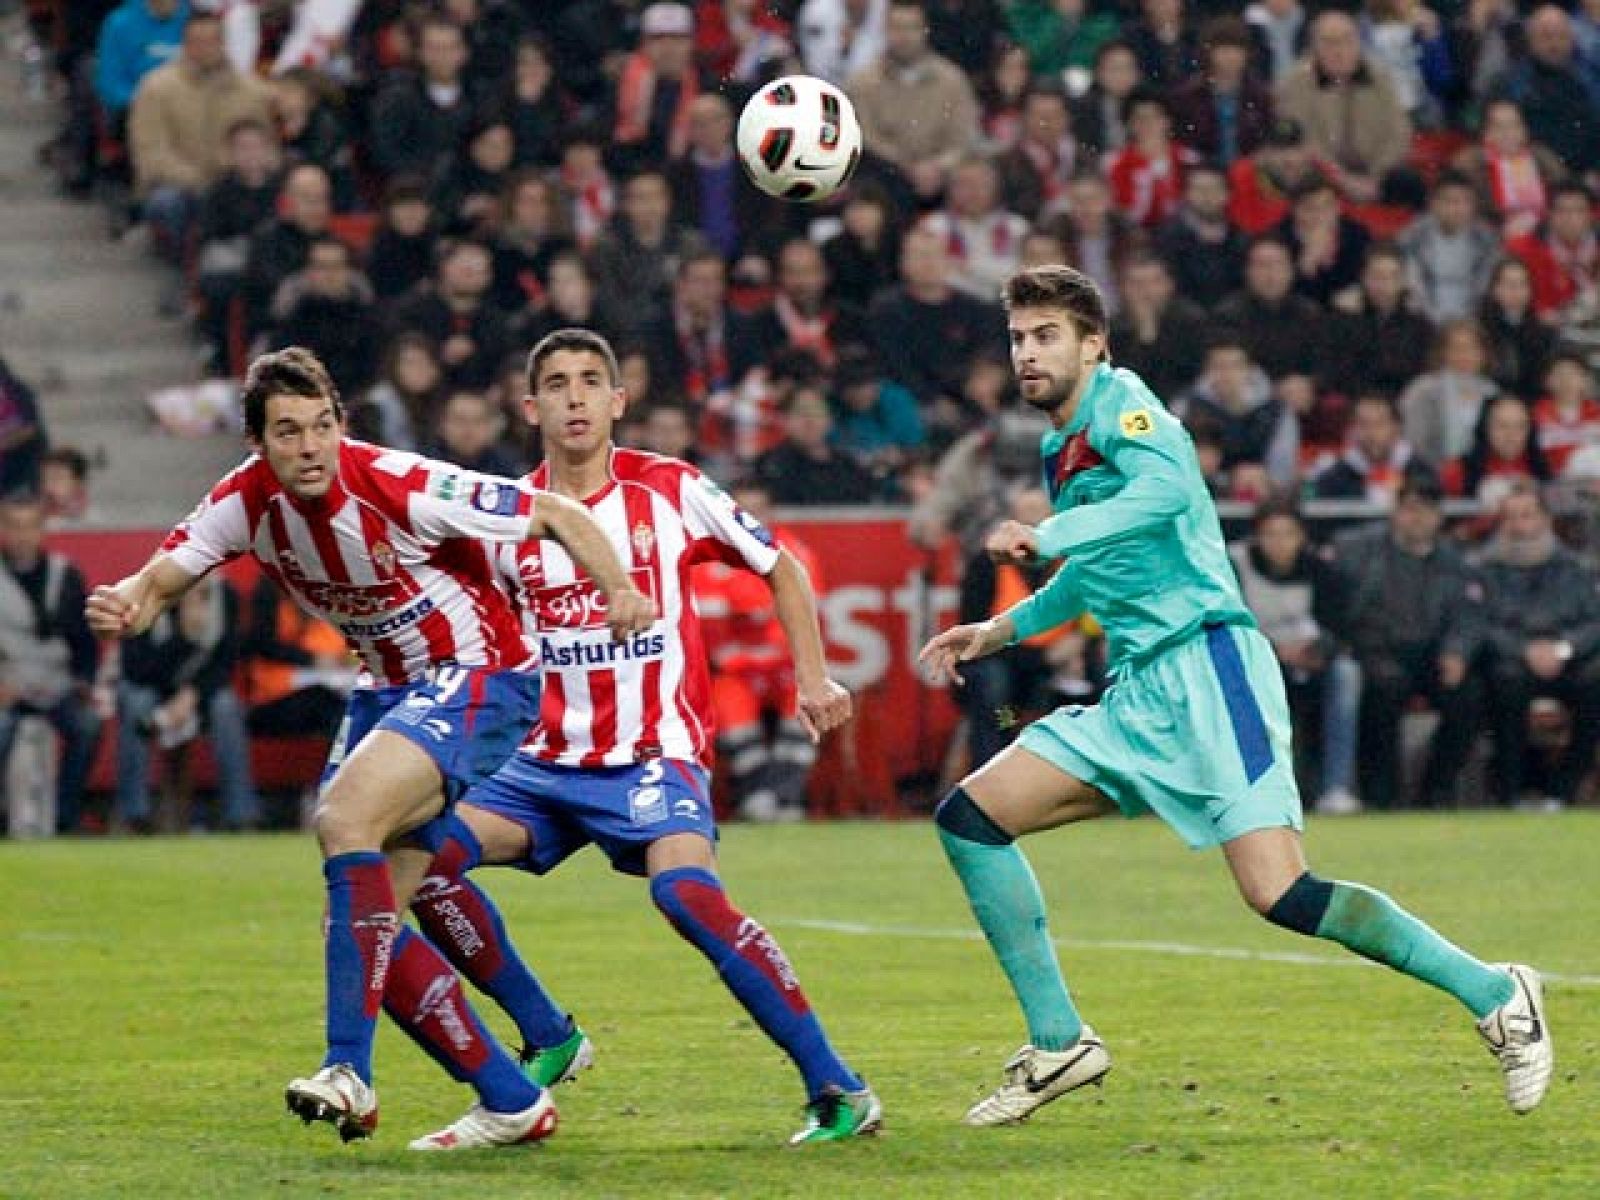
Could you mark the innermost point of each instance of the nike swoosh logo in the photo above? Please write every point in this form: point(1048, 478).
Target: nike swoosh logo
point(801, 164)
point(1038, 1083)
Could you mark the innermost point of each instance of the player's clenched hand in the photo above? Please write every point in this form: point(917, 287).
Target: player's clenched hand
point(963, 643)
point(823, 706)
point(1013, 542)
point(112, 611)
point(629, 611)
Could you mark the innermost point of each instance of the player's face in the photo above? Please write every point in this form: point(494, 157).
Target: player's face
point(301, 444)
point(1048, 357)
point(576, 403)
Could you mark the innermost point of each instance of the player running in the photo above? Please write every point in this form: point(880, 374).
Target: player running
point(388, 548)
point(620, 755)
point(1195, 726)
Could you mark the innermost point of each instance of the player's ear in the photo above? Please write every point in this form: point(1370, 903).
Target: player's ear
point(619, 402)
point(530, 408)
point(1095, 347)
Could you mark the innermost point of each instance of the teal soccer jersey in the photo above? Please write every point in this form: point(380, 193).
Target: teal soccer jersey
point(1195, 724)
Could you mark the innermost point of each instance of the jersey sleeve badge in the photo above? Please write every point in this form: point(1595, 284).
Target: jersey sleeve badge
point(1137, 423)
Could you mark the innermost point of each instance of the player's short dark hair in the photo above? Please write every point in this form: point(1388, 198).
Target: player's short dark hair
point(1060, 287)
point(573, 338)
point(293, 371)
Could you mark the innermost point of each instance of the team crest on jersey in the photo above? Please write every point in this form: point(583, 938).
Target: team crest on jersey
point(383, 557)
point(644, 541)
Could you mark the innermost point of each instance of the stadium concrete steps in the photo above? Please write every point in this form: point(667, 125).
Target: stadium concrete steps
point(79, 321)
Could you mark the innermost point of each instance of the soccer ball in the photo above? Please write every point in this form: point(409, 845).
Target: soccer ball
point(798, 139)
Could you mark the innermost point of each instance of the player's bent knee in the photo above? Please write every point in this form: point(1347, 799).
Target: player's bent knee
point(1302, 905)
point(959, 815)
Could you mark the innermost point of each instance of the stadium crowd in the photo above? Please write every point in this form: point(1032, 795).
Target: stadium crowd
point(1352, 246)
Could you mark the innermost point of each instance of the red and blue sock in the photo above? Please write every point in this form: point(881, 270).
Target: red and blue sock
point(425, 999)
point(463, 922)
point(756, 971)
point(360, 938)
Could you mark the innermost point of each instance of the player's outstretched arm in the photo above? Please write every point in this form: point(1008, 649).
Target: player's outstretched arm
point(130, 606)
point(963, 643)
point(824, 704)
point(628, 610)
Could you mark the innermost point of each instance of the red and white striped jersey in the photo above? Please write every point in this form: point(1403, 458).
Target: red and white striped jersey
point(394, 556)
point(608, 703)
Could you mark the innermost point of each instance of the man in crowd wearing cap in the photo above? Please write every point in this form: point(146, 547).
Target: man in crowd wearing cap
point(658, 87)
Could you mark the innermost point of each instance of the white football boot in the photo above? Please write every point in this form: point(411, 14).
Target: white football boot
point(338, 1096)
point(1519, 1036)
point(481, 1129)
point(1035, 1077)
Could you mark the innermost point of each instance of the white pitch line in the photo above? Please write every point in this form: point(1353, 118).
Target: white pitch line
point(1181, 949)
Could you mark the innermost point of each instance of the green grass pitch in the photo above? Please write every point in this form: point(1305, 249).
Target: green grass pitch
point(156, 995)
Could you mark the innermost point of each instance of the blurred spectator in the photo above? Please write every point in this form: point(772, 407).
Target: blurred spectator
point(1097, 117)
point(926, 331)
point(975, 478)
point(64, 487)
point(1281, 29)
point(1328, 247)
point(296, 669)
point(1377, 459)
point(401, 406)
point(802, 316)
point(744, 42)
point(48, 656)
point(863, 257)
point(327, 308)
point(1286, 334)
point(466, 196)
point(282, 246)
point(1157, 332)
point(1411, 612)
point(805, 469)
point(1562, 254)
point(403, 248)
point(313, 132)
point(999, 692)
point(138, 37)
point(668, 429)
point(231, 210)
point(1348, 108)
point(1147, 173)
point(964, 31)
point(1441, 408)
point(177, 130)
point(1449, 251)
point(1224, 113)
point(1512, 174)
point(838, 39)
point(1259, 184)
point(1097, 238)
point(1542, 641)
point(983, 240)
point(22, 435)
point(176, 682)
point(1235, 395)
point(1567, 416)
point(1204, 252)
point(586, 184)
point(570, 299)
point(657, 87)
point(1292, 593)
point(1164, 41)
point(1376, 340)
point(419, 121)
point(1059, 34)
point(1547, 85)
point(1520, 344)
point(710, 191)
point(893, 97)
point(876, 422)
point(536, 108)
point(1407, 39)
point(636, 256)
point(1035, 170)
point(1503, 451)
point(1001, 92)
point(467, 434)
point(454, 311)
point(760, 742)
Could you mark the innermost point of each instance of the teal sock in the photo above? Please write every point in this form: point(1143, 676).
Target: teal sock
point(1006, 900)
point(1374, 926)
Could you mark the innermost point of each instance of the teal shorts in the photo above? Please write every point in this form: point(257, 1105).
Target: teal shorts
point(1199, 735)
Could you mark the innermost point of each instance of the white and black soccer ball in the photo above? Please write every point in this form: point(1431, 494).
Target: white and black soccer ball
point(799, 139)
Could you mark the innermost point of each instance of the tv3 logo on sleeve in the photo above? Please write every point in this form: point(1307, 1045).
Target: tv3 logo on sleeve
point(581, 604)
